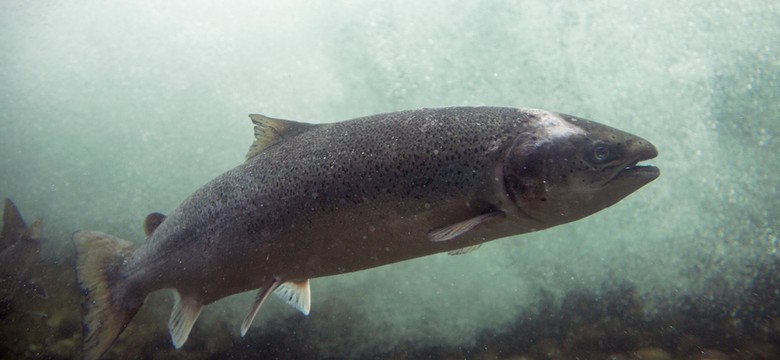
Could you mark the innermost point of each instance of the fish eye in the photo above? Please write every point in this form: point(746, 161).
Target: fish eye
point(600, 153)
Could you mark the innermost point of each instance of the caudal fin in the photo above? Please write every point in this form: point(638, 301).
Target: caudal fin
point(106, 309)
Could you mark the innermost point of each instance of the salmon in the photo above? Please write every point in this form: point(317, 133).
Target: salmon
point(315, 200)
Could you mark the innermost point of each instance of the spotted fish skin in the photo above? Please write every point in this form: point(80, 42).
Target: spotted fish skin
point(343, 196)
point(319, 200)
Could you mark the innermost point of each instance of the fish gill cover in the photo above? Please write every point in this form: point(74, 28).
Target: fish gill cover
point(111, 111)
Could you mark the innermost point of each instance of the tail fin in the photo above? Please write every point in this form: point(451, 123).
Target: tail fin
point(13, 224)
point(105, 310)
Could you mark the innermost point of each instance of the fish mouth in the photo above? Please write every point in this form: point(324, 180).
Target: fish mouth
point(639, 173)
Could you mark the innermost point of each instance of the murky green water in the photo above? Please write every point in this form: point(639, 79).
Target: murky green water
point(112, 110)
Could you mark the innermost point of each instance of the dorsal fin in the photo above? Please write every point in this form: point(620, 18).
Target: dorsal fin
point(13, 224)
point(151, 223)
point(269, 131)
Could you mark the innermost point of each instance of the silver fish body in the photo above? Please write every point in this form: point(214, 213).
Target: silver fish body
point(319, 200)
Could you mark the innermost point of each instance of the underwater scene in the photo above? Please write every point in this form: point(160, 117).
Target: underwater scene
point(112, 111)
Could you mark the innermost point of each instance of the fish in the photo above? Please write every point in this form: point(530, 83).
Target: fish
point(314, 200)
point(21, 248)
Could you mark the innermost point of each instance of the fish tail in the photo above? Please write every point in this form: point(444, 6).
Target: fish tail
point(107, 308)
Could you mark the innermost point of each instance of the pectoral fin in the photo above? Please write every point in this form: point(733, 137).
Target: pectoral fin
point(464, 250)
point(186, 310)
point(262, 294)
point(296, 294)
point(453, 231)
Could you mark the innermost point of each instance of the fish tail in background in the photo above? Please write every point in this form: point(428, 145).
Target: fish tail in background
point(106, 308)
point(33, 233)
point(13, 224)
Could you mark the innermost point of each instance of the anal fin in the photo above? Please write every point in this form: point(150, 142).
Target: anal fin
point(450, 232)
point(296, 294)
point(186, 310)
point(262, 294)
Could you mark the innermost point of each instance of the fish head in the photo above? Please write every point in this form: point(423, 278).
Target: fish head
point(565, 168)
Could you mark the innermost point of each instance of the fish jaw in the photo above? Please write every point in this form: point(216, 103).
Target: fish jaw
point(587, 169)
